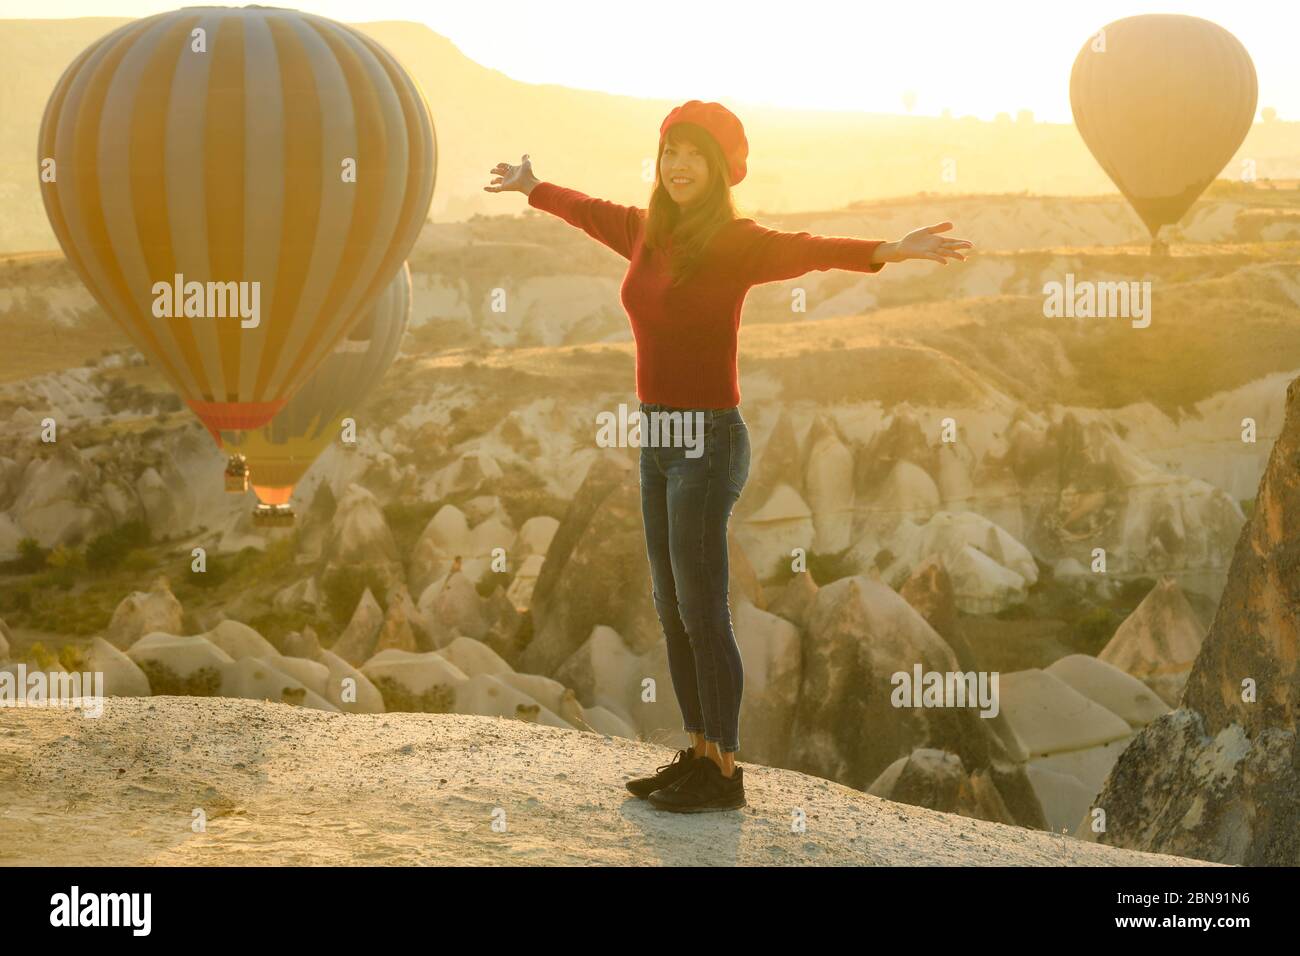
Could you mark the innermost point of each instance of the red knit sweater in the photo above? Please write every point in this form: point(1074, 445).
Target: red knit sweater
point(686, 337)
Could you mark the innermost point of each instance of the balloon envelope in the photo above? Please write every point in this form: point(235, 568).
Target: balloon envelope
point(214, 143)
point(1163, 101)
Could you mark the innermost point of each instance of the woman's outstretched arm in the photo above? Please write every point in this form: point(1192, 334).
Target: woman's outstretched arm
point(768, 255)
point(614, 225)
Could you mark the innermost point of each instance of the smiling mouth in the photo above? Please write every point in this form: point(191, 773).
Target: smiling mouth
point(678, 181)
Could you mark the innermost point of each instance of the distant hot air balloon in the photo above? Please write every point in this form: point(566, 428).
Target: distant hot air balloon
point(1163, 102)
point(278, 454)
point(216, 144)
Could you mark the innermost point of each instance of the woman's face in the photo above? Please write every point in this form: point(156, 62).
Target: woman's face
point(683, 171)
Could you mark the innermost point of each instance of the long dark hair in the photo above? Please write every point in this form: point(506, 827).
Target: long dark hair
point(685, 233)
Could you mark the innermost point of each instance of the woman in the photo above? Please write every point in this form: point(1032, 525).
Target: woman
point(691, 262)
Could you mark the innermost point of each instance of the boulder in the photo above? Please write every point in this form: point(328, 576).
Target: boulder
point(360, 538)
point(937, 780)
point(142, 612)
point(603, 671)
point(357, 642)
point(254, 678)
point(490, 696)
point(189, 665)
point(989, 569)
point(349, 689)
point(1118, 692)
point(453, 606)
point(604, 721)
point(551, 694)
point(303, 644)
point(473, 472)
point(240, 641)
point(313, 675)
point(474, 657)
point(302, 596)
point(535, 536)
point(796, 599)
point(398, 631)
point(447, 542)
point(907, 491)
point(425, 683)
point(1159, 641)
point(122, 676)
point(859, 635)
point(929, 590)
point(828, 484)
point(1064, 797)
point(53, 503)
point(1049, 716)
point(770, 534)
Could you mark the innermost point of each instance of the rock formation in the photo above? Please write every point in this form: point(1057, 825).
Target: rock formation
point(1219, 778)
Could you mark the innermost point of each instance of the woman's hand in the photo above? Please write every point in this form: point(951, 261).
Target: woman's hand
point(518, 179)
point(924, 243)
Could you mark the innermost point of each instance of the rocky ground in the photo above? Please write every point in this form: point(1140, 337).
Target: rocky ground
point(278, 785)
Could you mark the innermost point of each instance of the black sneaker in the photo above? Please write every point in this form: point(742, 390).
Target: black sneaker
point(666, 775)
point(703, 790)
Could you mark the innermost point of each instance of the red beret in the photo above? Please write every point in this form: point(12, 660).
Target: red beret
point(722, 124)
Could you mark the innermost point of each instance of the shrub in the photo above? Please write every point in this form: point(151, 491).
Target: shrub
point(437, 699)
point(40, 656)
point(73, 657)
point(217, 570)
point(138, 560)
point(31, 556)
point(202, 682)
point(65, 564)
point(107, 550)
point(62, 557)
point(21, 600)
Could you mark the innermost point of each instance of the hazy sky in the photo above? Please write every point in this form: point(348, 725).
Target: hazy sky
point(973, 58)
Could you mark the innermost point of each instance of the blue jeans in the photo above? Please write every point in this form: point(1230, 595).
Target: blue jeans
point(689, 485)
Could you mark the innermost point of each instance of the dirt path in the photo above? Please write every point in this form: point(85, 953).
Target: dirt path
point(284, 785)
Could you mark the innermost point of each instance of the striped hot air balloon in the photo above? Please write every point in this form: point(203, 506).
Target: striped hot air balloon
point(1163, 101)
point(278, 454)
point(215, 145)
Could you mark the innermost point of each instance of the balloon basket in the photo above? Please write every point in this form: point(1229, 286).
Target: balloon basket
point(236, 475)
point(273, 516)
